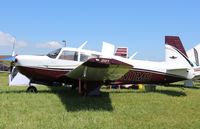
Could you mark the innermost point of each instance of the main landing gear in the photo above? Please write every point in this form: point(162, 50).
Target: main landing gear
point(150, 87)
point(31, 89)
point(86, 88)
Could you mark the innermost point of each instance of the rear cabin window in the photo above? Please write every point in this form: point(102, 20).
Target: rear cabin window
point(84, 57)
point(69, 55)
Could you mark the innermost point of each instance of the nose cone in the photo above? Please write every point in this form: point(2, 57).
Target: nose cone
point(22, 60)
point(30, 60)
point(17, 60)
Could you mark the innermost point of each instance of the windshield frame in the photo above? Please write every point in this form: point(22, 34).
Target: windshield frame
point(54, 54)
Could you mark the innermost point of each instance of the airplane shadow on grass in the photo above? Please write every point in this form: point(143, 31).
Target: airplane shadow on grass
point(172, 93)
point(75, 102)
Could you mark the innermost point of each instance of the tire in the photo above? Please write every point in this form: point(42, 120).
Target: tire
point(31, 89)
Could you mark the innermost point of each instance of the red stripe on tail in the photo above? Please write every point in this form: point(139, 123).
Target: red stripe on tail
point(175, 42)
point(122, 51)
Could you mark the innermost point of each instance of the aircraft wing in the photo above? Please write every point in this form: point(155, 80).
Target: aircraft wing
point(100, 69)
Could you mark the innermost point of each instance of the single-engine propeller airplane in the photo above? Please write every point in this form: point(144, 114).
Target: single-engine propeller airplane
point(88, 70)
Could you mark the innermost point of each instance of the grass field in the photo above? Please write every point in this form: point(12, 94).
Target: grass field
point(61, 108)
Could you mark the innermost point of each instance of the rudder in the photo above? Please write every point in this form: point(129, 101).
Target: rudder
point(175, 53)
point(175, 42)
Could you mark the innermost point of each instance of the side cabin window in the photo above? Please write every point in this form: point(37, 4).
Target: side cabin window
point(69, 55)
point(84, 57)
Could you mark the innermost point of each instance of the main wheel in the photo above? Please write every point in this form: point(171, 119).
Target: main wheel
point(31, 89)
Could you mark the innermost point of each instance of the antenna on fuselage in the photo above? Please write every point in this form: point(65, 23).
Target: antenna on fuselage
point(82, 45)
point(134, 54)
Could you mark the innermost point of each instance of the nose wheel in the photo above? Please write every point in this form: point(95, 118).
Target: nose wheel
point(31, 89)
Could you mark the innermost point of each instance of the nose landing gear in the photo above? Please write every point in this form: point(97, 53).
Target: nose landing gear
point(31, 89)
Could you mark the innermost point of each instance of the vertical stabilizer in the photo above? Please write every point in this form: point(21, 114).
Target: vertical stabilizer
point(175, 42)
point(175, 54)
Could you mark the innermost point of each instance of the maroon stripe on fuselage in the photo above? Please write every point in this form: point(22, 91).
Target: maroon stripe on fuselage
point(136, 76)
point(43, 74)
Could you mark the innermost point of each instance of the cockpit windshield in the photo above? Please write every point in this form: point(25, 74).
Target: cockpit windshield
point(54, 53)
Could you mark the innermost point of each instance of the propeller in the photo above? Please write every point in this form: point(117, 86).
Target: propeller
point(7, 59)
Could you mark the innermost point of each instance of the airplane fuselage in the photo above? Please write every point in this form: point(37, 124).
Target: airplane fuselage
point(47, 70)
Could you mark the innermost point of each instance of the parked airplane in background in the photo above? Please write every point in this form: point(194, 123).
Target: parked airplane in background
point(88, 70)
point(5, 62)
point(193, 54)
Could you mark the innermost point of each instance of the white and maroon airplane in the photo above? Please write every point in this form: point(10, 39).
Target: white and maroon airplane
point(88, 70)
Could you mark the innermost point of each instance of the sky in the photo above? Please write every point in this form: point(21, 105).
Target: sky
point(40, 26)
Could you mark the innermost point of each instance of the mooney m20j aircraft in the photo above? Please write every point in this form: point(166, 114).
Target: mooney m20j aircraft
point(88, 70)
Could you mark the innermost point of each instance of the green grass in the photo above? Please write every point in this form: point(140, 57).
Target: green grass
point(3, 79)
point(61, 108)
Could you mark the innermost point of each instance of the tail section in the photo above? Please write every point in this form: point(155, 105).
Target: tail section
point(175, 54)
point(175, 42)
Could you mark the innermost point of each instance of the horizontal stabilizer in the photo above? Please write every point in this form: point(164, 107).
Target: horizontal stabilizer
point(181, 72)
point(177, 68)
